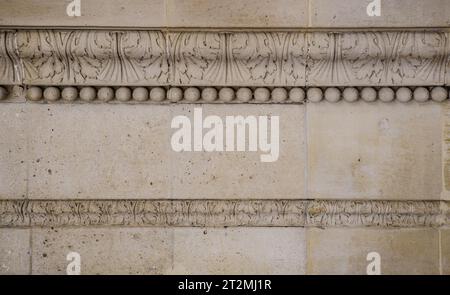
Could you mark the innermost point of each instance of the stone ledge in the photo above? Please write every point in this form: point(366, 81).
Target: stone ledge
point(224, 213)
point(195, 58)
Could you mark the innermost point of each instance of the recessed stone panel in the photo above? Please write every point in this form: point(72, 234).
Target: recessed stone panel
point(374, 150)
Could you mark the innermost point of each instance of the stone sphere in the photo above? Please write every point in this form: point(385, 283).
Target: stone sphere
point(34, 93)
point(226, 94)
point(314, 94)
point(297, 94)
point(87, 93)
point(421, 94)
point(209, 94)
point(52, 93)
point(105, 94)
point(332, 94)
point(157, 94)
point(386, 94)
point(175, 94)
point(244, 94)
point(69, 93)
point(279, 94)
point(350, 94)
point(439, 94)
point(192, 94)
point(404, 94)
point(3, 93)
point(123, 94)
point(262, 94)
point(140, 94)
point(368, 94)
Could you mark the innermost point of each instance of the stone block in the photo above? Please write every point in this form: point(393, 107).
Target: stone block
point(344, 250)
point(13, 150)
point(94, 13)
point(445, 251)
point(84, 151)
point(374, 150)
point(261, 251)
point(235, 175)
point(14, 251)
point(398, 13)
point(103, 250)
point(236, 13)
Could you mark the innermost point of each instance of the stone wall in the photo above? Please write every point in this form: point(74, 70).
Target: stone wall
point(87, 166)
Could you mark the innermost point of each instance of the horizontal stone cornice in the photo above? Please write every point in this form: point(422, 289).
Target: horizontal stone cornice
point(200, 58)
point(220, 213)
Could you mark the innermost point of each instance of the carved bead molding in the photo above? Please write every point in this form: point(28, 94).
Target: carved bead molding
point(154, 58)
point(218, 213)
point(258, 95)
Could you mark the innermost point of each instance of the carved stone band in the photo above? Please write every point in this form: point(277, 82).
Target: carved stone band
point(258, 95)
point(219, 213)
point(156, 58)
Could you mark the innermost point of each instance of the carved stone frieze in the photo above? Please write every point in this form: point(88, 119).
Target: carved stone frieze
point(315, 213)
point(252, 59)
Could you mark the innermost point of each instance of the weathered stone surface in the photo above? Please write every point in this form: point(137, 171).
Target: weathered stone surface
point(374, 151)
point(94, 13)
point(98, 151)
point(13, 150)
point(103, 250)
point(235, 175)
point(10, 70)
point(235, 13)
point(14, 251)
point(239, 251)
point(398, 13)
point(445, 251)
point(376, 58)
point(344, 250)
point(140, 58)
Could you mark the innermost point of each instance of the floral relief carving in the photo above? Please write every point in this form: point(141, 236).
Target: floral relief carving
point(377, 58)
point(316, 213)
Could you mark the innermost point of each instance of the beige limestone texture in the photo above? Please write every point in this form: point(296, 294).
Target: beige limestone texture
point(237, 13)
point(13, 151)
point(243, 251)
point(242, 175)
point(14, 251)
point(94, 13)
point(225, 13)
point(374, 150)
point(344, 250)
point(445, 251)
point(103, 250)
point(394, 13)
point(98, 151)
